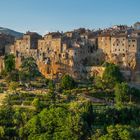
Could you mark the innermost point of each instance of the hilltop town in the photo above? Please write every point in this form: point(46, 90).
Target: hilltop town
point(77, 85)
point(81, 53)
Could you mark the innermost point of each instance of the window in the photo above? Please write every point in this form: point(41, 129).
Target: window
point(48, 70)
point(133, 40)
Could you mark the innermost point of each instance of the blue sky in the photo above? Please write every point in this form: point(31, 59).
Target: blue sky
point(54, 15)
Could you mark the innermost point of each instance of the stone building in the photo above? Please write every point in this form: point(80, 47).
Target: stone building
point(119, 44)
point(81, 53)
point(104, 43)
point(27, 44)
point(64, 53)
point(122, 49)
point(25, 47)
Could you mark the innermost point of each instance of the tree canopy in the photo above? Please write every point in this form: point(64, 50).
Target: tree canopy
point(67, 82)
point(121, 93)
point(9, 61)
point(112, 74)
point(29, 69)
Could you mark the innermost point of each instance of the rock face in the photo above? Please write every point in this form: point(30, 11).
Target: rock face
point(95, 71)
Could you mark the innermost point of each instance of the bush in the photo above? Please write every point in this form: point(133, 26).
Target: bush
point(67, 82)
point(13, 85)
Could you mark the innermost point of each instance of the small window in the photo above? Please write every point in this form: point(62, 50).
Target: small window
point(133, 40)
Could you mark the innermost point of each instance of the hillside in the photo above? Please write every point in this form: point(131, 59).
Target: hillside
point(10, 32)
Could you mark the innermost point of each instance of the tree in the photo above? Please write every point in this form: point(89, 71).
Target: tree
point(67, 82)
point(33, 126)
point(57, 122)
point(121, 93)
point(13, 86)
point(9, 62)
point(118, 132)
point(36, 103)
point(13, 76)
point(112, 75)
point(99, 83)
point(51, 85)
point(2, 132)
point(29, 69)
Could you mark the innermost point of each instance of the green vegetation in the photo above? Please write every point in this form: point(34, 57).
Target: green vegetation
point(9, 62)
point(67, 82)
point(29, 69)
point(35, 108)
point(121, 93)
point(112, 73)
